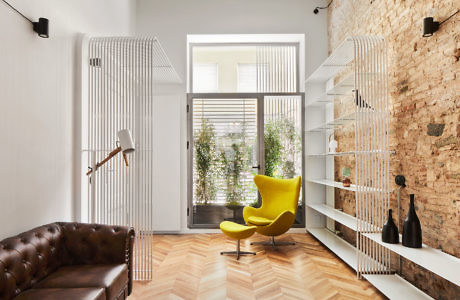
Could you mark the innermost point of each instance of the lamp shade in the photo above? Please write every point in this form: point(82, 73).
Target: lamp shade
point(126, 141)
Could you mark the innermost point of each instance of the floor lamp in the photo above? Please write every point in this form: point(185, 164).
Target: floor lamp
point(125, 145)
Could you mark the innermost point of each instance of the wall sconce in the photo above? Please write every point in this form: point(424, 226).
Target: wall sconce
point(316, 10)
point(40, 27)
point(430, 26)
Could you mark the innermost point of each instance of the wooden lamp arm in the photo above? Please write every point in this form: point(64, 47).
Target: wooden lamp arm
point(109, 156)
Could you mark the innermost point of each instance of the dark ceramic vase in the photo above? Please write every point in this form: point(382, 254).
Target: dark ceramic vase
point(412, 231)
point(390, 231)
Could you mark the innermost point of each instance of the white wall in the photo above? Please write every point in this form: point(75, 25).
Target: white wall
point(39, 88)
point(172, 20)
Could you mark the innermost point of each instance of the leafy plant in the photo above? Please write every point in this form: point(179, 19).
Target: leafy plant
point(282, 144)
point(205, 163)
point(273, 147)
point(233, 162)
point(291, 141)
point(346, 172)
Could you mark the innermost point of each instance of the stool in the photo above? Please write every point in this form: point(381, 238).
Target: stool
point(237, 232)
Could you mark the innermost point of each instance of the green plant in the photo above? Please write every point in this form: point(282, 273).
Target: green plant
point(233, 161)
point(346, 172)
point(205, 163)
point(273, 147)
point(291, 141)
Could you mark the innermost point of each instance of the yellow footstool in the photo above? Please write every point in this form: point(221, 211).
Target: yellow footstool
point(237, 232)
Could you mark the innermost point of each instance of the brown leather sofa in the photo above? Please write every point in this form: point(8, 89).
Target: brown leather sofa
point(67, 261)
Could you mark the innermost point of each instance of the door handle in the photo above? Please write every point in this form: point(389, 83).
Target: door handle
point(256, 167)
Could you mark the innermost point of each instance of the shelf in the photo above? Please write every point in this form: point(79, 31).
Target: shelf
point(342, 249)
point(334, 123)
point(332, 154)
point(344, 87)
point(336, 215)
point(333, 183)
point(339, 185)
point(341, 57)
point(395, 287)
point(370, 152)
point(436, 261)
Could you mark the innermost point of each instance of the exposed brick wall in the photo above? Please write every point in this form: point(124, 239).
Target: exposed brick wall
point(424, 93)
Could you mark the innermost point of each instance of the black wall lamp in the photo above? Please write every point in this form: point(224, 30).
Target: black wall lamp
point(430, 26)
point(316, 10)
point(40, 27)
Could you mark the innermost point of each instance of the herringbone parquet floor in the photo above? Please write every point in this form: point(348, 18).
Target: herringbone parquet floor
point(191, 267)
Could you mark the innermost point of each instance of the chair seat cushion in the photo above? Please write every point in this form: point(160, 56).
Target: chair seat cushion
point(112, 278)
point(259, 221)
point(237, 231)
point(60, 294)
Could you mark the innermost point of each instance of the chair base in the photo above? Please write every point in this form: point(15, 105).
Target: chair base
point(272, 243)
point(238, 253)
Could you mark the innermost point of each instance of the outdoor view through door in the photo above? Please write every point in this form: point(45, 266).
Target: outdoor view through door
point(245, 117)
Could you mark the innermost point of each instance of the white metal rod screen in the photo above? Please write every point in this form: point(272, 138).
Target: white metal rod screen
point(122, 72)
point(372, 152)
point(277, 68)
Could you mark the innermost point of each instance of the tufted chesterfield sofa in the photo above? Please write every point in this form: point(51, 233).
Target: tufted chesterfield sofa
point(67, 261)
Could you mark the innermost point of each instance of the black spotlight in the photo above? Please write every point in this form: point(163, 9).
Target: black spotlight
point(429, 26)
point(400, 180)
point(316, 10)
point(41, 27)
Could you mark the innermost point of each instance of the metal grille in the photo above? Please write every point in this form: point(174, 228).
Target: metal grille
point(372, 151)
point(122, 73)
point(277, 69)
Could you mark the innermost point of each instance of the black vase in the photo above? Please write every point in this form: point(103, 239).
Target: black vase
point(412, 231)
point(390, 231)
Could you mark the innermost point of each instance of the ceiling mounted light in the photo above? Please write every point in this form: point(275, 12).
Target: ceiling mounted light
point(40, 27)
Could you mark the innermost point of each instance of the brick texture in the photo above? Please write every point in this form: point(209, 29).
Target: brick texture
point(424, 89)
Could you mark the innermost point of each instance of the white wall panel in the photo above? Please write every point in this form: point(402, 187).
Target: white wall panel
point(166, 207)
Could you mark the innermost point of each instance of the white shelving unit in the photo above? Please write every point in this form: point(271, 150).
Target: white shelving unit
point(335, 214)
point(361, 64)
point(342, 249)
point(395, 287)
point(436, 261)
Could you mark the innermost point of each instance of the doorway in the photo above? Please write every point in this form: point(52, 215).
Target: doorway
point(232, 137)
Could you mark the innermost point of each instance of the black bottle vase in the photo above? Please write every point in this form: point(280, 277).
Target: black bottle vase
point(390, 232)
point(412, 231)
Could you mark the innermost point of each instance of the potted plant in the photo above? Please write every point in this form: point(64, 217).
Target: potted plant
point(273, 147)
point(346, 173)
point(233, 162)
point(205, 163)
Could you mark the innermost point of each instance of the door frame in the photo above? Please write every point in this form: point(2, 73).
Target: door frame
point(260, 137)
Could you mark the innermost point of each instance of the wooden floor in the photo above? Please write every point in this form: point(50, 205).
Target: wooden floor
point(191, 267)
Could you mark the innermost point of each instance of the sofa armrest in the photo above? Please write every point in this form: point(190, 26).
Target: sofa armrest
point(129, 257)
point(98, 244)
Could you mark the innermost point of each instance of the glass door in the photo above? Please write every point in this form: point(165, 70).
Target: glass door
point(224, 158)
point(282, 140)
point(232, 137)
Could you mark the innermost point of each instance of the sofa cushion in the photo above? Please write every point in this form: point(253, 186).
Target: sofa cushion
point(111, 277)
point(27, 258)
point(59, 294)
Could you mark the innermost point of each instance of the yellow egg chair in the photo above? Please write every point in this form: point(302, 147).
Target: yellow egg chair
point(279, 207)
